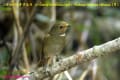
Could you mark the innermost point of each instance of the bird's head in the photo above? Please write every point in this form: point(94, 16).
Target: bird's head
point(60, 28)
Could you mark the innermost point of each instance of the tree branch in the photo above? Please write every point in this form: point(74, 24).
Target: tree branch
point(80, 57)
point(15, 58)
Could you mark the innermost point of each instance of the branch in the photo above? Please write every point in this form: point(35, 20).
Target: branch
point(80, 57)
point(16, 13)
point(15, 58)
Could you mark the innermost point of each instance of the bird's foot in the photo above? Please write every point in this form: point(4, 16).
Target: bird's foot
point(58, 58)
point(46, 69)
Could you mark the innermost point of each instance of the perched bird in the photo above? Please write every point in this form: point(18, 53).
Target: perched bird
point(54, 42)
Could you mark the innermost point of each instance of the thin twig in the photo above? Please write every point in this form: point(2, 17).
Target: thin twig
point(33, 45)
point(20, 32)
point(15, 38)
point(16, 52)
point(68, 75)
point(53, 14)
point(82, 77)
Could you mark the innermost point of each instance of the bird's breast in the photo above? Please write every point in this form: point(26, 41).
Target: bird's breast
point(53, 45)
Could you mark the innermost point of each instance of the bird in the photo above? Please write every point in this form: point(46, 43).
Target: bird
point(54, 42)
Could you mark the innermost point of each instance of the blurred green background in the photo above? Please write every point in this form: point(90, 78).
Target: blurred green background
point(90, 26)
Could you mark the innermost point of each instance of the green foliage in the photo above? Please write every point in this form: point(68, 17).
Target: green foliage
point(80, 27)
point(4, 57)
point(3, 73)
point(5, 8)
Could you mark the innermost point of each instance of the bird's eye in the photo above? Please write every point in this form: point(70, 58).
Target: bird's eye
point(61, 27)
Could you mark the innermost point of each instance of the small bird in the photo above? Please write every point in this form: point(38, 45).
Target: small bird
point(54, 42)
